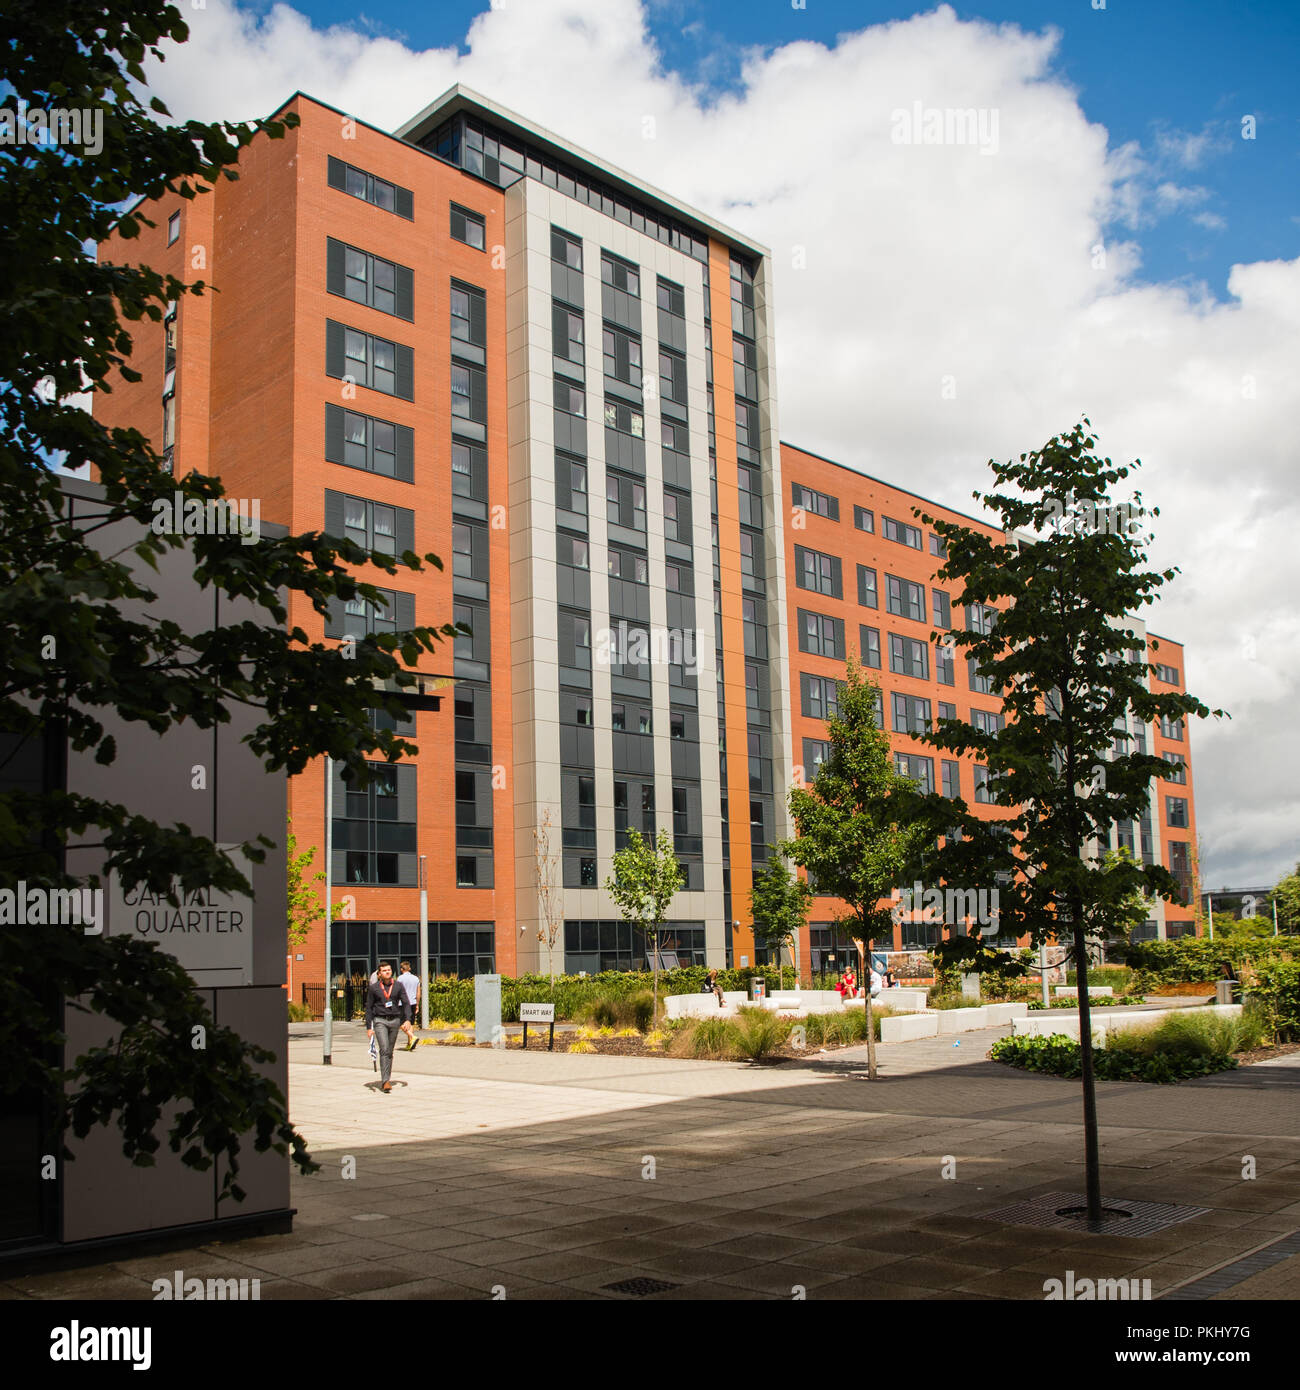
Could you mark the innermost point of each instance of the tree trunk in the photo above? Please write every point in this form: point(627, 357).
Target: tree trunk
point(865, 968)
point(1091, 1156)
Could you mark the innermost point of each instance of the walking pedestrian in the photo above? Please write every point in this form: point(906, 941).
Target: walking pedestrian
point(411, 984)
point(388, 1012)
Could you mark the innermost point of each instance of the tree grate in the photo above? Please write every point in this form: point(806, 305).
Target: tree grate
point(1123, 1218)
point(638, 1288)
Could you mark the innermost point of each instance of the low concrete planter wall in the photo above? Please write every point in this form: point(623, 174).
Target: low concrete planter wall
point(1072, 991)
point(907, 1027)
point(1042, 1024)
point(1004, 1013)
point(962, 1020)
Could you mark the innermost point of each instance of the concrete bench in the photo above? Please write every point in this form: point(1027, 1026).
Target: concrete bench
point(703, 1005)
point(962, 1020)
point(1004, 1013)
point(907, 1027)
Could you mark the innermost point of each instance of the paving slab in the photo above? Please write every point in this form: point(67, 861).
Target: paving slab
point(491, 1168)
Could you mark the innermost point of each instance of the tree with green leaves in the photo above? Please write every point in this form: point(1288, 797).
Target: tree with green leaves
point(645, 880)
point(1049, 629)
point(305, 907)
point(779, 903)
point(854, 836)
point(1287, 897)
point(74, 652)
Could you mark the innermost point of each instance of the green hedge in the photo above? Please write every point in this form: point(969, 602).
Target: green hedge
point(577, 997)
point(1277, 991)
point(1197, 959)
point(1190, 1042)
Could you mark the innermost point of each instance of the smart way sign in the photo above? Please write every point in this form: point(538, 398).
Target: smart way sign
point(209, 932)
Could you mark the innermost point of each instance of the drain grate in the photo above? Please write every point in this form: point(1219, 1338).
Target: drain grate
point(1138, 1219)
point(638, 1288)
point(1237, 1272)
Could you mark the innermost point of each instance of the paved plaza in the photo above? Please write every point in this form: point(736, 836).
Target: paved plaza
point(550, 1176)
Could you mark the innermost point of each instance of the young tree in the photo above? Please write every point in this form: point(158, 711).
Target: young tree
point(854, 836)
point(1287, 897)
point(550, 893)
point(645, 879)
point(71, 647)
point(304, 901)
point(779, 902)
point(1072, 674)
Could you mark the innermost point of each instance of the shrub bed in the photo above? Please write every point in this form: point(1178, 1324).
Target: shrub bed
point(1185, 1044)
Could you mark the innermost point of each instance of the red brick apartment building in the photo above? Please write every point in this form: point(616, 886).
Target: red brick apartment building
point(474, 338)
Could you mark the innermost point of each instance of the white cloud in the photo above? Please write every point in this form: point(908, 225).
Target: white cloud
point(924, 262)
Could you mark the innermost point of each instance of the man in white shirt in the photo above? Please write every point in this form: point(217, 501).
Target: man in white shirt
point(411, 984)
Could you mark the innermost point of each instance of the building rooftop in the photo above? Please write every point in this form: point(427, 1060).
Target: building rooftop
point(461, 100)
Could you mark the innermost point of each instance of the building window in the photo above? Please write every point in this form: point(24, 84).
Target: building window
point(570, 399)
point(982, 793)
point(868, 594)
point(942, 607)
point(951, 779)
point(1177, 768)
point(1168, 674)
point(173, 228)
point(357, 183)
point(816, 502)
point(468, 392)
point(986, 723)
point(943, 665)
point(368, 279)
point(1176, 812)
point(370, 361)
point(820, 696)
point(817, 572)
point(622, 357)
point(938, 546)
point(567, 335)
point(468, 315)
point(911, 714)
point(469, 227)
point(980, 618)
point(623, 275)
point(869, 646)
point(1171, 728)
point(947, 711)
point(908, 657)
point(815, 752)
point(374, 825)
point(820, 635)
point(979, 685)
point(905, 598)
point(566, 249)
point(624, 419)
point(672, 376)
point(671, 298)
point(369, 445)
point(900, 531)
point(864, 519)
point(919, 769)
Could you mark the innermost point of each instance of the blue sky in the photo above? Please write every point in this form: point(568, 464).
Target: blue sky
point(1174, 77)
